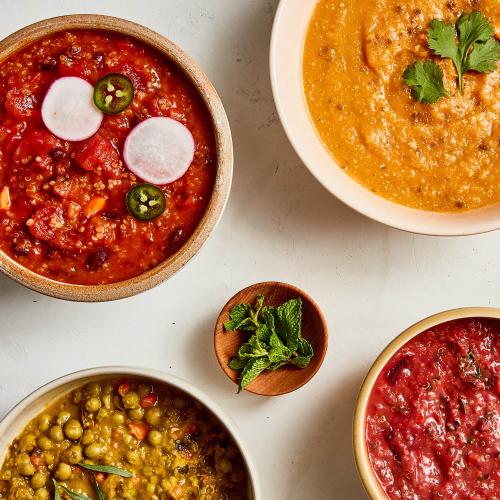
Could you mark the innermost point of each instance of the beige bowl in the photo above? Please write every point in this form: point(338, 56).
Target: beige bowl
point(224, 147)
point(290, 26)
point(17, 419)
point(365, 470)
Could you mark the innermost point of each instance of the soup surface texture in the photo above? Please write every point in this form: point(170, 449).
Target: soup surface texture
point(64, 215)
point(439, 157)
point(433, 417)
point(170, 445)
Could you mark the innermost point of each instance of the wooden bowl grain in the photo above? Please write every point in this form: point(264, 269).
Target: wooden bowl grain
point(224, 148)
point(314, 329)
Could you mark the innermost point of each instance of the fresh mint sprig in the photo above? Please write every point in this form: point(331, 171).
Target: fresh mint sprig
point(276, 338)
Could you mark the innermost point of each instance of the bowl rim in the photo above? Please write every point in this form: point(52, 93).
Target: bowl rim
point(301, 293)
point(301, 133)
point(18, 411)
point(365, 471)
point(224, 149)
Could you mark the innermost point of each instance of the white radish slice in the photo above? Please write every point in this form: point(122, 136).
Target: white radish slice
point(159, 150)
point(68, 109)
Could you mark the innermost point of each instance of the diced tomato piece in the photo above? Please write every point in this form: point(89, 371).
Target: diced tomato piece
point(98, 154)
point(18, 104)
point(36, 459)
point(100, 477)
point(123, 388)
point(35, 143)
point(138, 429)
point(149, 400)
point(45, 222)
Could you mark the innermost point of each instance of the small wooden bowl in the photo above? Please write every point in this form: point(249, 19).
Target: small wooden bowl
point(314, 329)
point(224, 150)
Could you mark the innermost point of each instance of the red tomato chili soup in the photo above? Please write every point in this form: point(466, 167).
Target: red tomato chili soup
point(63, 211)
point(433, 417)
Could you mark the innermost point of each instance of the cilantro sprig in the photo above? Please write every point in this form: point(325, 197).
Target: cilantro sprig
point(471, 46)
point(276, 338)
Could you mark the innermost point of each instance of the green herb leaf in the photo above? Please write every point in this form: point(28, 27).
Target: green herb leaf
point(442, 39)
point(305, 352)
point(108, 469)
point(56, 490)
point(252, 370)
point(278, 364)
point(72, 494)
point(237, 364)
point(98, 490)
point(240, 318)
point(477, 50)
point(288, 324)
point(426, 80)
point(280, 353)
point(483, 57)
point(254, 348)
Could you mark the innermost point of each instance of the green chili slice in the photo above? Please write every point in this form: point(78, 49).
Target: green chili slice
point(113, 93)
point(146, 202)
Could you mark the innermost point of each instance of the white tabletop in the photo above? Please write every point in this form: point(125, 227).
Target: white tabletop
point(280, 224)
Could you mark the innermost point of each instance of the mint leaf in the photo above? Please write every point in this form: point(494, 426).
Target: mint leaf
point(288, 322)
point(237, 364)
point(483, 57)
point(108, 469)
point(426, 80)
point(252, 370)
point(305, 352)
point(278, 354)
point(239, 314)
point(254, 348)
point(278, 364)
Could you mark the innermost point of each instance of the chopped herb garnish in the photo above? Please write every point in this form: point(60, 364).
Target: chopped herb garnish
point(426, 80)
point(276, 338)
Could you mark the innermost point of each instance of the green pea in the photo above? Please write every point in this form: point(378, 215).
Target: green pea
point(44, 421)
point(93, 389)
point(26, 469)
point(133, 457)
point(28, 442)
point(63, 471)
point(144, 390)
point(42, 494)
point(226, 466)
point(131, 400)
point(44, 443)
point(87, 437)
point(74, 454)
point(73, 429)
point(63, 417)
point(38, 480)
point(106, 401)
point(153, 415)
point(56, 433)
point(23, 458)
point(93, 450)
point(136, 413)
point(93, 404)
point(118, 419)
point(49, 457)
point(154, 437)
point(150, 489)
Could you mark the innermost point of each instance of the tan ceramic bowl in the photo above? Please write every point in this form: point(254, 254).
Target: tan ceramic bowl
point(289, 31)
point(17, 419)
point(365, 470)
point(220, 194)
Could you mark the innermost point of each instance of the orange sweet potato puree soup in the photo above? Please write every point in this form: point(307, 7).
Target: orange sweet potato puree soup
point(439, 157)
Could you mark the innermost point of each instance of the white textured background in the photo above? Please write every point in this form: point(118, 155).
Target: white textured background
point(371, 281)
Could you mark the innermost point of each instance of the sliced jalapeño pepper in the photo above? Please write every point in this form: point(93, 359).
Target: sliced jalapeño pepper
point(113, 93)
point(146, 202)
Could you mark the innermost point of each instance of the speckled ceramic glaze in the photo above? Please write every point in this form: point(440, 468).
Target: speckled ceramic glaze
point(167, 268)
